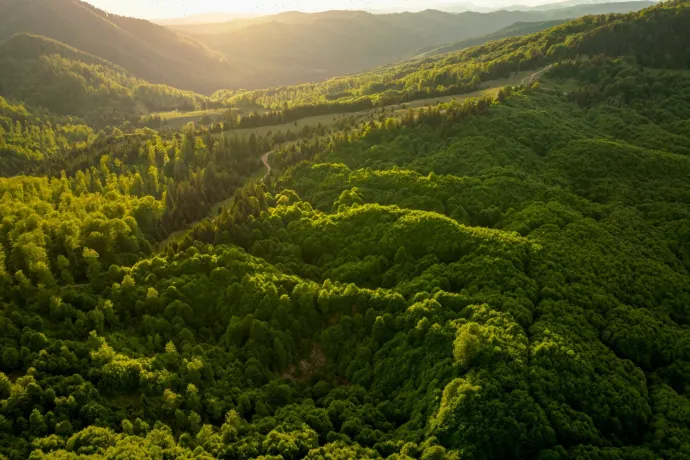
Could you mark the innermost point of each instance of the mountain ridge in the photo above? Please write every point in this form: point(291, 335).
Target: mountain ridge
point(431, 269)
point(303, 43)
point(46, 73)
point(149, 51)
point(288, 48)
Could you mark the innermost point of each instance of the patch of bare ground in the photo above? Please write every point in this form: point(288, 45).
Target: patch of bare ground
point(306, 368)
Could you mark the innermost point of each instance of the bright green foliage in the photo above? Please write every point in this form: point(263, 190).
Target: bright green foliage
point(485, 280)
point(48, 74)
point(640, 34)
point(28, 139)
point(146, 50)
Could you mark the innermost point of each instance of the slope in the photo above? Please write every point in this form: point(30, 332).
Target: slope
point(294, 47)
point(147, 50)
point(514, 30)
point(639, 34)
point(45, 73)
point(502, 278)
point(500, 282)
point(560, 5)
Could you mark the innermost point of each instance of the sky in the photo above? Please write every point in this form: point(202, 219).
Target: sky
point(160, 9)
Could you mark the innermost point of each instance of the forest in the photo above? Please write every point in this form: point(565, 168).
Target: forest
point(292, 48)
point(634, 34)
point(285, 49)
point(504, 276)
point(514, 30)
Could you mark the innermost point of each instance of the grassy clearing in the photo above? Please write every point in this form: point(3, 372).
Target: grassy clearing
point(490, 88)
point(176, 119)
point(176, 114)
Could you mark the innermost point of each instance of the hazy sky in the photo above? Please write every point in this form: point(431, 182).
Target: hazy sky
point(158, 9)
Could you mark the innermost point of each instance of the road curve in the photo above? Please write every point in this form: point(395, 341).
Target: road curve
point(267, 155)
point(264, 159)
point(530, 78)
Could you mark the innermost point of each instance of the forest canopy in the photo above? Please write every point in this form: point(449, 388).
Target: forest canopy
point(501, 277)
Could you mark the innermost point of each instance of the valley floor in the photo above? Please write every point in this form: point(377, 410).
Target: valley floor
point(489, 88)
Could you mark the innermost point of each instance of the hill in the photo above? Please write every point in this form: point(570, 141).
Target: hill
point(294, 47)
point(149, 51)
point(503, 277)
point(288, 48)
point(203, 18)
point(45, 73)
point(462, 7)
point(514, 30)
point(465, 71)
point(562, 4)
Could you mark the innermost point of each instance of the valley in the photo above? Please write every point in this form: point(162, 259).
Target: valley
point(468, 238)
point(488, 89)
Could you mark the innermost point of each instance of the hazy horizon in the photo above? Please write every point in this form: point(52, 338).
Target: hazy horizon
point(167, 9)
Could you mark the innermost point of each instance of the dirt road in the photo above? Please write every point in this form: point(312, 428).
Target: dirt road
point(264, 159)
point(530, 78)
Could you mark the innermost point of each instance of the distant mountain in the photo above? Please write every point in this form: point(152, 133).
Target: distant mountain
point(250, 53)
point(565, 4)
point(45, 73)
point(462, 7)
point(514, 30)
point(294, 47)
point(204, 18)
point(147, 50)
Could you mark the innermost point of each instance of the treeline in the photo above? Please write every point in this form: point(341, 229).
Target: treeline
point(401, 293)
point(47, 74)
point(640, 34)
point(162, 182)
point(501, 278)
point(289, 115)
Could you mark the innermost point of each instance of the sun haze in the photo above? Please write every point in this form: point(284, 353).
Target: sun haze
point(157, 9)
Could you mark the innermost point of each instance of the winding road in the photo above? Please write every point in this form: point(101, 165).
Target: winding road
point(264, 159)
point(530, 78)
point(266, 156)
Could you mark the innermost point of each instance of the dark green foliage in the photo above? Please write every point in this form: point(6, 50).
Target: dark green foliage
point(501, 278)
point(639, 34)
point(44, 73)
point(292, 47)
point(146, 50)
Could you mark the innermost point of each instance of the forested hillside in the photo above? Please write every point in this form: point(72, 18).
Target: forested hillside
point(296, 47)
point(148, 51)
point(640, 35)
point(256, 53)
point(47, 74)
point(503, 277)
point(514, 30)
